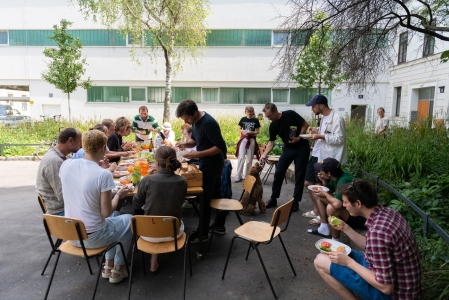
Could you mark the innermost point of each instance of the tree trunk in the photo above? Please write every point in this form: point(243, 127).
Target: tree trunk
point(168, 78)
point(68, 103)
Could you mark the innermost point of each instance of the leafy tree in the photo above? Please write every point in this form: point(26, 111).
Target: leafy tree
point(66, 65)
point(173, 28)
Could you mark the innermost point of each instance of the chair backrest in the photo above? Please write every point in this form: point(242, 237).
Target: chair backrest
point(42, 203)
point(64, 228)
point(284, 212)
point(248, 184)
point(154, 226)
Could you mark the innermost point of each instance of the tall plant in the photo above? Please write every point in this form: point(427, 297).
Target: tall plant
point(66, 66)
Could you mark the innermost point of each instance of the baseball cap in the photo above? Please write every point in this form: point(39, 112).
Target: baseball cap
point(317, 99)
point(329, 165)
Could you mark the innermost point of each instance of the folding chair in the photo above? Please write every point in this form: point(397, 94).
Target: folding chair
point(257, 233)
point(64, 228)
point(272, 161)
point(231, 204)
point(156, 227)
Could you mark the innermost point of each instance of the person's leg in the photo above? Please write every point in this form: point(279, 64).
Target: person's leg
point(310, 179)
point(249, 157)
point(154, 264)
point(324, 226)
point(241, 160)
point(301, 159)
point(284, 162)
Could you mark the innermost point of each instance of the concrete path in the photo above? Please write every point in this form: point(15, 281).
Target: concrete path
point(25, 248)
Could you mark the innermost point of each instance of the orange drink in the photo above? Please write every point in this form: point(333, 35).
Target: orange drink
point(125, 180)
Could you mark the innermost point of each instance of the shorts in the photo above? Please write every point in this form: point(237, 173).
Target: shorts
point(356, 222)
point(354, 282)
point(311, 173)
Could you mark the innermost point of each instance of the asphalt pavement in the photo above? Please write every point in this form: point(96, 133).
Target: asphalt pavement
point(25, 248)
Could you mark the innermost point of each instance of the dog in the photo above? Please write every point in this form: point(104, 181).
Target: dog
point(256, 197)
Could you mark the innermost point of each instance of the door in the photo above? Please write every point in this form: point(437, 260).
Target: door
point(358, 112)
point(423, 110)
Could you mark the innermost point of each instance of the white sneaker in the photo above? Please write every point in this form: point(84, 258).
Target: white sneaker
point(238, 179)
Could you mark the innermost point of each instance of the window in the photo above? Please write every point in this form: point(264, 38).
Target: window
point(24, 106)
point(429, 45)
point(231, 95)
point(305, 95)
point(138, 94)
point(156, 94)
point(280, 38)
point(108, 94)
point(246, 38)
point(3, 37)
point(402, 53)
point(210, 95)
point(280, 95)
point(256, 96)
point(181, 93)
point(398, 101)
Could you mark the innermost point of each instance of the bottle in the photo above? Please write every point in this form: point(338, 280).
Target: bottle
point(151, 145)
point(157, 141)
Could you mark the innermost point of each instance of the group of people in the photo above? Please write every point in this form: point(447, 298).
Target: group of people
point(82, 188)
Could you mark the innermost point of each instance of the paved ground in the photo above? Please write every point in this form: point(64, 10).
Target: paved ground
point(25, 248)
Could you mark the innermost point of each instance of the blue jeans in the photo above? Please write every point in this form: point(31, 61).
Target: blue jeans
point(61, 214)
point(301, 157)
point(118, 228)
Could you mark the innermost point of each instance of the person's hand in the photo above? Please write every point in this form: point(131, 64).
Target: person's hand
point(192, 154)
point(180, 145)
point(294, 140)
point(123, 191)
point(262, 160)
point(112, 167)
point(313, 130)
point(339, 258)
point(320, 193)
point(315, 137)
point(340, 227)
point(152, 170)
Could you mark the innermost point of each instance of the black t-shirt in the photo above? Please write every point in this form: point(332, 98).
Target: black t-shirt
point(289, 120)
point(249, 124)
point(207, 134)
point(115, 144)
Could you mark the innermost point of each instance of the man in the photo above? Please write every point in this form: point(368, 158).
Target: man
point(329, 141)
point(390, 267)
point(143, 125)
point(48, 184)
point(210, 148)
point(330, 204)
point(169, 134)
point(288, 125)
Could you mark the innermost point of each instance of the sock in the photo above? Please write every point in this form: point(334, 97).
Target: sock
point(324, 229)
point(336, 239)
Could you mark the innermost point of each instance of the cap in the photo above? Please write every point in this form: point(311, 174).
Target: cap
point(329, 165)
point(317, 99)
point(166, 126)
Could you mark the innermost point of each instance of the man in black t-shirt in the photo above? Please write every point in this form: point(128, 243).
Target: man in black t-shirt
point(288, 125)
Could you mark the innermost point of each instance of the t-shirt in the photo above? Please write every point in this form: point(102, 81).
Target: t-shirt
point(316, 145)
point(249, 124)
point(346, 177)
point(115, 144)
point(380, 123)
point(139, 124)
point(289, 120)
point(80, 154)
point(83, 181)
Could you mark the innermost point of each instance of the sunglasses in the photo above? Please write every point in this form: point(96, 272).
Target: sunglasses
point(351, 185)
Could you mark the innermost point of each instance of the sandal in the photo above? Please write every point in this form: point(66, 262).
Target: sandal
point(106, 275)
point(310, 214)
point(123, 275)
point(316, 221)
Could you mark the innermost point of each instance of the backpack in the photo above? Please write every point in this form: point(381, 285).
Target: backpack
point(226, 187)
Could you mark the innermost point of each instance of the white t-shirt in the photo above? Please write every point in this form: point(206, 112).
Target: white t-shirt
point(380, 123)
point(316, 145)
point(170, 137)
point(82, 183)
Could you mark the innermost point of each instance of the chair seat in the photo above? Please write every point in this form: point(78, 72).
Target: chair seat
point(69, 248)
point(272, 160)
point(257, 231)
point(158, 248)
point(226, 204)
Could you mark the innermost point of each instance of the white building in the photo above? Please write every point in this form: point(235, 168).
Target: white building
point(234, 71)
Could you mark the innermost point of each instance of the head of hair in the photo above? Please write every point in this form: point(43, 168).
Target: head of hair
point(93, 141)
point(121, 122)
point(250, 109)
point(143, 107)
point(188, 129)
point(361, 190)
point(382, 109)
point(185, 125)
point(186, 107)
point(108, 123)
point(66, 134)
point(99, 127)
point(271, 107)
point(166, 159)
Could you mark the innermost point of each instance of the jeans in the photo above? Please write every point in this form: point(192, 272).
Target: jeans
point(118, 228)
point(211, 190)
point(300, 156)
point(61, 214)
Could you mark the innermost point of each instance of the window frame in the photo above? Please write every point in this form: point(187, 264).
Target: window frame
point(7, 37)
point(131, 100)
point(288, 40)
point(210, 88)
point(397, 101)
point(402, 50)
point(428, 41)
point(288, 95)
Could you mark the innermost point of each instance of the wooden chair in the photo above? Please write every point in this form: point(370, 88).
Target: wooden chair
point(156, 227)
point(257, 233)
point(231, 204)
point(42, 203)
point(67, 229)
point(271, 161)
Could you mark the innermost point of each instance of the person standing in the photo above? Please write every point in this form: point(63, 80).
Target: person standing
point(382, 122)
point(249, 129)
point(288, 125)
point(210, 149)
point(143, 125)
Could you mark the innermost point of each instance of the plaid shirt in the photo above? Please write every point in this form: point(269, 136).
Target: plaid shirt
point(392, 252)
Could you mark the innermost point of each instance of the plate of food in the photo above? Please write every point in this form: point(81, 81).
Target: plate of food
point(120, 173)
point(121, 168)
point(328, 245)
point(317, 188)
point(306, 136)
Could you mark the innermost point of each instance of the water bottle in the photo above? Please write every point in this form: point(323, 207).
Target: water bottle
point(157, 141)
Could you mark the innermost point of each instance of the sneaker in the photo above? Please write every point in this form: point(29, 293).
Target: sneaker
point(238, 179)
point(187, 204)
point(194, 239)
point(218, 230)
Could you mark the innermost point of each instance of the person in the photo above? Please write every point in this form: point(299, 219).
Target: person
point(48, 183)
point(288, 125)
point(210, 149)
point(169, 134)
point(330, 204)
point(115, 141)
point(382, 122)
point(249, 127)
point(87, 190)
point(186, 134)
point(143, 125)
point(329, 140)
point(390, 267)
point(162, 193)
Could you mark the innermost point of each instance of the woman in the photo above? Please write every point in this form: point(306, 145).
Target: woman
point(382, 122)
point(162, 193)
point(169, 134)
point(115, 141)
point(249, 129)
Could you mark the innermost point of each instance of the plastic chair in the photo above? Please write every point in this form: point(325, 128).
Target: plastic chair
point(257, 233)
point(156, 227)
point(231, 204)
point(64, 228)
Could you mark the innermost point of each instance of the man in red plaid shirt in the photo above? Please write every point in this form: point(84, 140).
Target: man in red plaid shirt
point(390, 267)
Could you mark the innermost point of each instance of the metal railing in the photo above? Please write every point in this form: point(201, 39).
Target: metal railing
point(427, 220)
point(16, 145)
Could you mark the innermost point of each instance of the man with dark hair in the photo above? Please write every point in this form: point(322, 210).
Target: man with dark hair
point(288, 125)
point(210, 149)
point(332, 176)
point(48, 183)
point(390, 267)
point(144, 124)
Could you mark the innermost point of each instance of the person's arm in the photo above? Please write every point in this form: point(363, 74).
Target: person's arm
point(188, 144)
point(134, 125)
point(268, 148)
point(337, 136)
point(242, 131)
point(155, 125)
point(333, 201)
point(357, 238)
point(385, 127)
point(52, 175)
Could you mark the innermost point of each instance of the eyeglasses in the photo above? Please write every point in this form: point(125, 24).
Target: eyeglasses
point(351, 185)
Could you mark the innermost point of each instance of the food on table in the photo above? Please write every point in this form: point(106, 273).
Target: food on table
point(316, 189)
point(121, 168)
point(334, 221)
point(120, 173)
point(325, 246)
point(341, 249)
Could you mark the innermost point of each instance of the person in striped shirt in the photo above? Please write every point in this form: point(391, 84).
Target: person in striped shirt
point(144, 124)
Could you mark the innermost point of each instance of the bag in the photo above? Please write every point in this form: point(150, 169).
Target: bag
point(226, 187)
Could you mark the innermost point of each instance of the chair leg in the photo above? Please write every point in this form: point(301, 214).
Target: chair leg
point(57, 244)
point(184, 273)
point(227, 258)
point(88, 264)
point(213, 230)
point(131, 272)
point(99, 272)
point(265, 270)
point(288, 257)
point(190, 256)
point(52, 275)
point(249, 248)
point(143, 263)
point(197, 212)
point(267, 174)
point(98, 262)
point(238, 217)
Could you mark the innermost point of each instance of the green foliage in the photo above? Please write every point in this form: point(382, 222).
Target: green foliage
point(444, 56)
point(66, 66)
